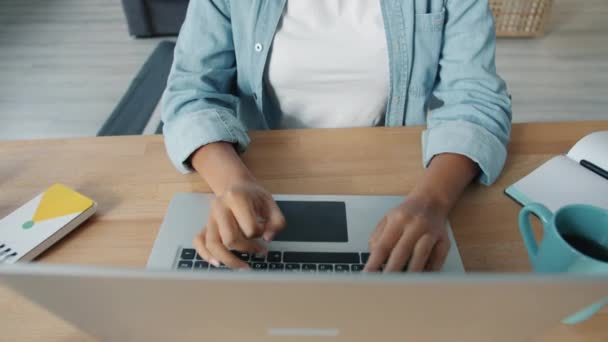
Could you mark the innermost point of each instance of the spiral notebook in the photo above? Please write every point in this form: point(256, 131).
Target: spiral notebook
point(579, 177)
point(38, 224)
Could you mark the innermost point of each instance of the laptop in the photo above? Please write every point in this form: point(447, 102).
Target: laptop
point(324, 233)
point(148, 305)
point(177, 301)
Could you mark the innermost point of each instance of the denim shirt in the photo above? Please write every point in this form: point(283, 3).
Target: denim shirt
point(441, 55)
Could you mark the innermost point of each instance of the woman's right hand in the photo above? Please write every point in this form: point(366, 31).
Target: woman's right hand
point(245, 211)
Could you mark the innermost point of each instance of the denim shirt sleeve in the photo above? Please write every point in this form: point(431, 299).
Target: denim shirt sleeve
point(475, 119)
point(199, 103)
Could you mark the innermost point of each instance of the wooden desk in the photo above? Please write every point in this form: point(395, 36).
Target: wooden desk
point(133, 181)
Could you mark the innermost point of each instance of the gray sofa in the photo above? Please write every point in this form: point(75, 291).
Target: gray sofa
point(151, 18)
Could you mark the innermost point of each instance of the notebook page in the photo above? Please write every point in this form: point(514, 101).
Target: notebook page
point(559, 182)
point(593, 148)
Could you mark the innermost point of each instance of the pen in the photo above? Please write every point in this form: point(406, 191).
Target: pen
point(594, 168)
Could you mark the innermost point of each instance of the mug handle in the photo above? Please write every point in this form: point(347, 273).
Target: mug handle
point(586, 313)
point(545, 216)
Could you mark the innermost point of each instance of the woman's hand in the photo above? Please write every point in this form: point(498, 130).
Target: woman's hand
point(245, 211)
point(241, 211)
point(412, 235)
point(415, 234)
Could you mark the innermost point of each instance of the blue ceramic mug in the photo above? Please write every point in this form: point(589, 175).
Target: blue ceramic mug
point(575, 240)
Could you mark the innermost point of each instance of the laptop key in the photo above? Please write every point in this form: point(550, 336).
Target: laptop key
point(274, 256)
point(309, 268)
point(184, 264)
point(258, 257)
point(356, 268)
point(198, 257)
point(201, 265)
point(241, 255)
point(260, 266)
point(342, 268)
point(326, 268)
point(364, 257)
point(292, 267)
point(276, 267)
point(321, 257)
point(188, 254)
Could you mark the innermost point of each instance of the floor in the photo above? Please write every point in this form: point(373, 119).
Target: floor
point(64, 64)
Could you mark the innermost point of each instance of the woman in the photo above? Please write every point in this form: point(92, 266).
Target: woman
point(274, 64)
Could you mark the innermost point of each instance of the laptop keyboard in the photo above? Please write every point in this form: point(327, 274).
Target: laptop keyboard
point(279, 261)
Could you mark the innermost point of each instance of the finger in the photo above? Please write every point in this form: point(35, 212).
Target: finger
point(216, 247)
point(203, 241)
point(276, 220)
point(382, 248)
point(226, 224)
point(377, 232)
point(439, 255)
point(231, 235)
point(421, 253)
point(199, 245)
point(233, 239)
point(244, 212)
point(401, 254)
point(249, 246)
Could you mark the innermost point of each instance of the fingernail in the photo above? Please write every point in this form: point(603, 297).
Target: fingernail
point(269, 236)
point(214, 262)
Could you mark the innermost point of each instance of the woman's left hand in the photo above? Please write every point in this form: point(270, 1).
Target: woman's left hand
point(412, 235)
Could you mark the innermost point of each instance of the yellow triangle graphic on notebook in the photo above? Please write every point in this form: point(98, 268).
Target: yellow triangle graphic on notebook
point(57, 201)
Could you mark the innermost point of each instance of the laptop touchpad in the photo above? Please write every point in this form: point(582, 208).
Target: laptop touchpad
point(313, 221)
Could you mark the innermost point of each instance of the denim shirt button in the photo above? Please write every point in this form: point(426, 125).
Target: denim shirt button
point(258, 47)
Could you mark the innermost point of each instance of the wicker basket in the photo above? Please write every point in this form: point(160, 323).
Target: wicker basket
point(520, 18)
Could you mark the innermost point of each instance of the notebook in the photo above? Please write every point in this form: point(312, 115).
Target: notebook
point(38, 224)
point(579, 177)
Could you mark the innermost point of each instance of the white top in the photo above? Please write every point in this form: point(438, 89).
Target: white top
point(329, 64)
